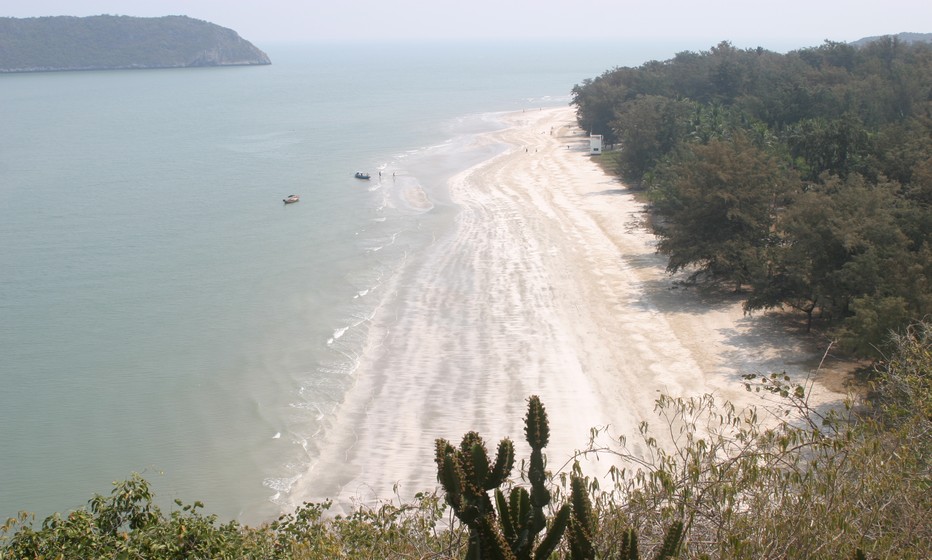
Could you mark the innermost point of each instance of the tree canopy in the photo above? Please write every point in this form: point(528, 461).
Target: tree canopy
point(805, 178)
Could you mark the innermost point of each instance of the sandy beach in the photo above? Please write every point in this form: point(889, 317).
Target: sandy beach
point(550, 285)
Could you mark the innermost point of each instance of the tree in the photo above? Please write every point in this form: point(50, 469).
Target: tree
point(841, 250)
point(649, 128)
point(596, 101)
point(836, 146)
point(718, 202)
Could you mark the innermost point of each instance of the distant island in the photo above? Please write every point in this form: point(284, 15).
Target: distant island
point(906, 38)
point(108, 42)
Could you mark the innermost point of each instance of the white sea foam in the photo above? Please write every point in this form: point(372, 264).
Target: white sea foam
point(337, 334)
point(281, 485)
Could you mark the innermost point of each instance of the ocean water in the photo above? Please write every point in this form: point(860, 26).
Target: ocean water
point(163, 312)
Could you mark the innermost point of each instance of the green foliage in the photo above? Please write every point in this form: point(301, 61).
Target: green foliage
point(389, 531)
point(903, 384)
point(648, 128)
point(798, 482)
point(806, 176)
point(126, 524)
point(719, 208)
point(403, 530)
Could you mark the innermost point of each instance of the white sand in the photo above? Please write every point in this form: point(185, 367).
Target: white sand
point(550, 286)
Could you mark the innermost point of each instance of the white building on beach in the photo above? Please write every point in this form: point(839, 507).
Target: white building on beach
point(595, 143)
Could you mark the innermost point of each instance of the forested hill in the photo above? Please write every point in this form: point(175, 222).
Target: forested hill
point(900, 37)
point(116, 42)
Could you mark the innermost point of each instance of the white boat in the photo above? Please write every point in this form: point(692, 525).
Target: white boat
point(291, 198)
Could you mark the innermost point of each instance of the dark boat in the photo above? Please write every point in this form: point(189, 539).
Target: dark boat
point(291, 199)
point(361, 175)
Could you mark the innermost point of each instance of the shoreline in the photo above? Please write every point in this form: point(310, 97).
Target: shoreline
point(549, 285)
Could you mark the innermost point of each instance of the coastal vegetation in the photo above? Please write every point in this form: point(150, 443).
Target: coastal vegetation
point(803, 179)
point(784, 481)
point(114, 42)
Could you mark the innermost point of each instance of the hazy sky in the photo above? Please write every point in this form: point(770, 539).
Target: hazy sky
point(777, 24)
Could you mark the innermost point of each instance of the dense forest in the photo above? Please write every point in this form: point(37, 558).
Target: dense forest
point(803, 180)
point(112, 42)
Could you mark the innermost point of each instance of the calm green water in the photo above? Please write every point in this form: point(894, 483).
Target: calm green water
point(161, 310)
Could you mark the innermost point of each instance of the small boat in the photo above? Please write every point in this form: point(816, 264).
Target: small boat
point(291, 198)
point(361, 175)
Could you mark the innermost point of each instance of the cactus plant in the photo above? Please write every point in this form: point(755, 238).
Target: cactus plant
point(467, 475)
point(629, 546)
point(669, 549)
point(509, 529)
point(671, 542)
point(582, 522)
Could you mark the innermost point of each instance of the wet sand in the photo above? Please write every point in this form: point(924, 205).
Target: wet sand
point(550, 285)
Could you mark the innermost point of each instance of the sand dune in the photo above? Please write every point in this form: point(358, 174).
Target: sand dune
point(550, 286)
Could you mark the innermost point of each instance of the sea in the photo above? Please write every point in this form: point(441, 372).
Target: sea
point(162, 311)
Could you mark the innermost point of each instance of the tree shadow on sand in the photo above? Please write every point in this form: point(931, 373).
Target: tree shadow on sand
point(610, 192)
point(760, 343)
point(671, 295)
point(778, 342)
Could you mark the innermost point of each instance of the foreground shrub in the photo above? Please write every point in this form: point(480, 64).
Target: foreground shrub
point(128, 525)
point(799, 482)
point(794, 482)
